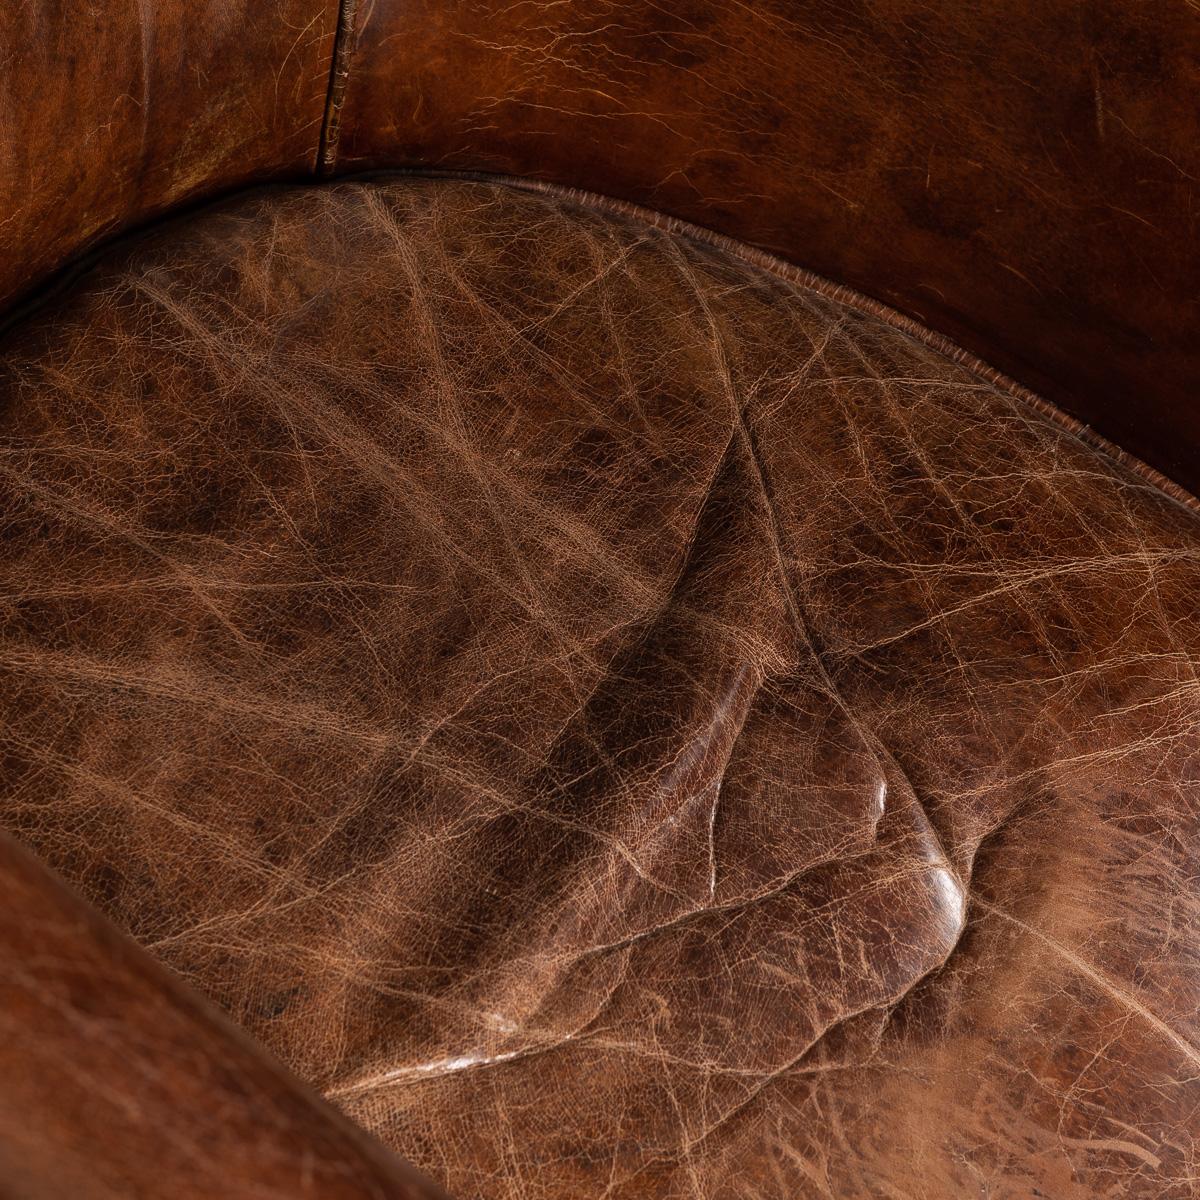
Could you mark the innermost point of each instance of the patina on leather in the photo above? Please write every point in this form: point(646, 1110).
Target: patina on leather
point(1019, 176)
point(120, 1081)
point(616, 720)
point(115, 111)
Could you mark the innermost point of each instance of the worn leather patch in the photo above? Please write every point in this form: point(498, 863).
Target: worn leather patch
point(618, 721)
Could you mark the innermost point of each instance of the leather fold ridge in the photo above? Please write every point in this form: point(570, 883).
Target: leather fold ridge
point(116, 1079)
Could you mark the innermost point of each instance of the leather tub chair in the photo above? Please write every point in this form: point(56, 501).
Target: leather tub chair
point(600, 598)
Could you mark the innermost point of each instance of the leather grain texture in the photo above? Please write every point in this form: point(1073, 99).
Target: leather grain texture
point(618, 722)
point(1020, 176)
point(116, 111)
point(120, 1084)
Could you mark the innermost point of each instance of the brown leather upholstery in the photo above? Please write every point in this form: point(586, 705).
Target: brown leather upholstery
point(113, 112)
point(1020, 176)
point(119, 1081)
point(617, 720)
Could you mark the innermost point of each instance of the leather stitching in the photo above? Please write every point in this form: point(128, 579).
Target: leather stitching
point(339, 75)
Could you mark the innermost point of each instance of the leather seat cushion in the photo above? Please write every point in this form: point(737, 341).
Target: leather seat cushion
point(618, 720)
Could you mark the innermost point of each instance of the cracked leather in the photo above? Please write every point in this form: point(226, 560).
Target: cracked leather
point(120, 1083)
point(615, 720)
point(1018, 175)
point(115, 111)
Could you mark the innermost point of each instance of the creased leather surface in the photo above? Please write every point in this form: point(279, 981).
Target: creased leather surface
point(618, 722)
point(119, 1083)
point(1019, 175)
point(113, 111)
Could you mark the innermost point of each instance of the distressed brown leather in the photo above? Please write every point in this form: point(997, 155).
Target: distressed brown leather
point(1019, 175)
point(113, 112)
point(117, 1081)
point(616, 720)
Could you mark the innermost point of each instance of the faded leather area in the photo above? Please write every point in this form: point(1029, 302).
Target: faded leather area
point(1018, 175)
point(617, 722)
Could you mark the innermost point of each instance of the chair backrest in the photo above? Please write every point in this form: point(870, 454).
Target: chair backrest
point(116, 111)
point(1019, 176)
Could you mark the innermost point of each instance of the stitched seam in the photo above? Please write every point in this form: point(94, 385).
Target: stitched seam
point(843, 294)
point(339, 75)
point(25, 303)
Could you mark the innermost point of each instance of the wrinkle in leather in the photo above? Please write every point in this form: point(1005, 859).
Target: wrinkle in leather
point(618, 722)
